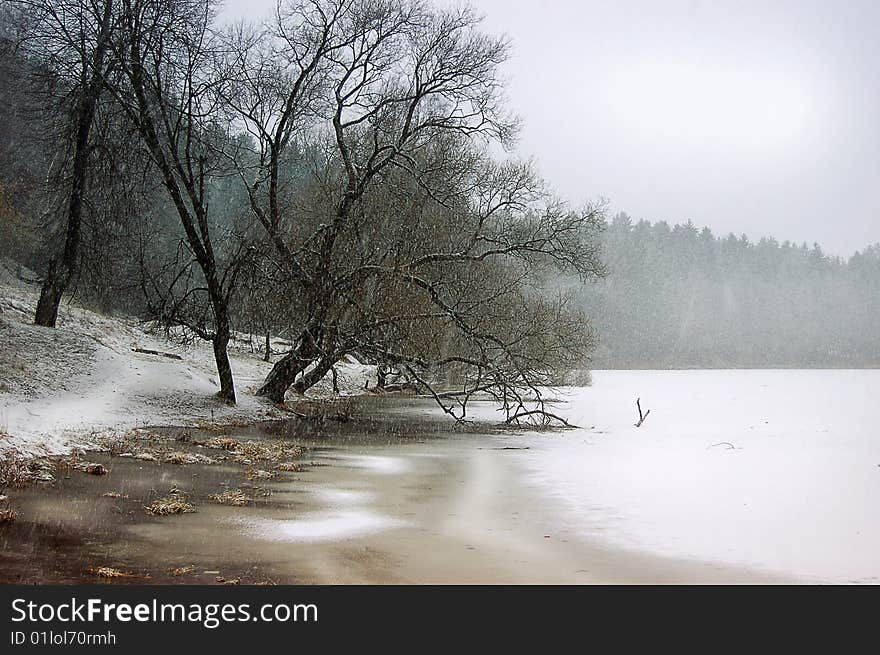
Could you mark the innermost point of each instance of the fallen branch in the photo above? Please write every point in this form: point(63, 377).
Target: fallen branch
point(729, 445)
point(545, 415)
point(642, 417)
point(147, 351)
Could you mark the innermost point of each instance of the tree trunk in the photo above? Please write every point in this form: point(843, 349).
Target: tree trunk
point(310, 379)
point(60, 271)
point(282, 376)
point(224, 369)
point(54, 286)
point(221, 343)
point(268, 348)
point(289, 368)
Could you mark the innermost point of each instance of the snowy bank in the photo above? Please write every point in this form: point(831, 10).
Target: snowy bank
point(60, 386)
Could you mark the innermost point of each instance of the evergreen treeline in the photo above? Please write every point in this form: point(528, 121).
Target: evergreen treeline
point(681, 297)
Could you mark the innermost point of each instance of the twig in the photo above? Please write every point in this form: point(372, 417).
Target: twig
point(642, 417)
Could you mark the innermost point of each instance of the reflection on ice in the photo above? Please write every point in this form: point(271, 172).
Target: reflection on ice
point(335, 496)
point(376, 463)
point(319, 527)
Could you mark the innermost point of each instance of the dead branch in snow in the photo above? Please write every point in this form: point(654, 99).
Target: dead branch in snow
point(542, 414)
point(147, 351)
point(642, 417)
point(729, 445)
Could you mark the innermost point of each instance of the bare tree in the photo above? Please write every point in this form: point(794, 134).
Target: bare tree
point(365, 169)
point(71, 42)
point(454, 293)
point(350, 63)
point(168, 55)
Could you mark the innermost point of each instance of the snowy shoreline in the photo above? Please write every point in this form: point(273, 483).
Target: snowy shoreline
point(61, 387)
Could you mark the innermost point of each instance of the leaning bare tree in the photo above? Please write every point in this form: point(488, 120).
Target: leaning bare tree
point(410, 245)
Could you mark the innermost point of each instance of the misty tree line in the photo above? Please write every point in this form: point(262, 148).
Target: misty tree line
point(325, 177)
point(683, 297)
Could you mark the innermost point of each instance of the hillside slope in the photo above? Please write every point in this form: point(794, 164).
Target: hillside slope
point(59, 386)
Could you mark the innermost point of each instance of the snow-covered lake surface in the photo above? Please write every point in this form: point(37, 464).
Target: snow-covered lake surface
point(796, 490)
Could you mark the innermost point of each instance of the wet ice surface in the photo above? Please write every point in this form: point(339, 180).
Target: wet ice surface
point(393, 500)
point(339, 513)
point(317, 527)
point(374, 463)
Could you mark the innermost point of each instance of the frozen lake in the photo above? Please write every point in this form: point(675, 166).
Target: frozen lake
point(795, 490)
point(736, 476)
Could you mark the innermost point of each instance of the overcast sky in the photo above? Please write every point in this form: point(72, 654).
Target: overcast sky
point(748, 116)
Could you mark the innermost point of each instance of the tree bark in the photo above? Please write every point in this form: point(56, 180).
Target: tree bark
point(289, 368)
point(224, 370)
point(281, 376)
point(54, 286)
point(310, 379)
point(221, 355)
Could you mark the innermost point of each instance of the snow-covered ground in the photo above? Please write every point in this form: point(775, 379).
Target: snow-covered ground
point(60, 386)
point(798, 492)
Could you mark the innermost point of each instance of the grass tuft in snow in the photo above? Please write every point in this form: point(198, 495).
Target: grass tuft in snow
point(234, 497)
point(173, 503)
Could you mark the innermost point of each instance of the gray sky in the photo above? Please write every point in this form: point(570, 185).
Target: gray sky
point(748, 116)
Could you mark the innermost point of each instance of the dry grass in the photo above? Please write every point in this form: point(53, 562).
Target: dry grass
point(8, 515)
point(114, 494)
point(16, 472)
point(133, 441)
point(73, 463)
point(230, 581)
point(257, 492)
point(234, 497)
point(218, 425)
point(219, 443)
point(148, 446)
point(248, 452)
point(179, 457)
point(259, 474)
point(174, 503)
point(110, 573)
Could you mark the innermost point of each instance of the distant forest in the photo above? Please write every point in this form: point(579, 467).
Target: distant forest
point(681, 297)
